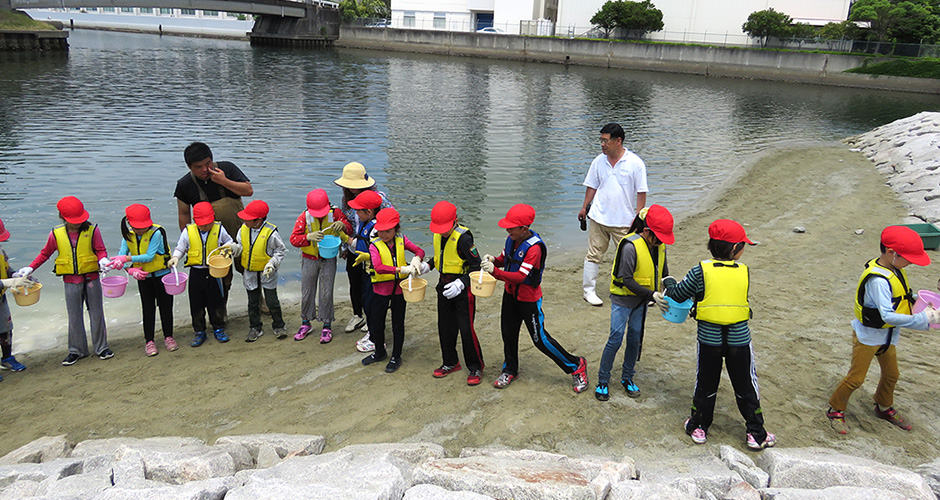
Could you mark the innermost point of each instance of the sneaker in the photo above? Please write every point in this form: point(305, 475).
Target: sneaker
point(220, 335)
point(11, 364)
point(504, 380)
point(150, 349)
point(892, 415)
point(837, 421)
point(364, 344)
point(106, 354)
point(326, 336)
point(254, 334)
point(768, 442)
point(445, 370)
point(280, 333)
point(475, 377)
point(372, 358)
point(365, 327)
point(198, 340)
point(632, 390)
point(580, 376)
point(601, 392)
point(697, 434)
point(170, 343)
point(302, 332)
point(71, 359)
point(355, 322)
point(393, 364)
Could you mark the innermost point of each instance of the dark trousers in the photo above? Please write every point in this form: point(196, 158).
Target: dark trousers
point(153, 295)
point(515, 312)
point(355, 275)
point(456, 316)
point(367, 293)
point(206, 294)
point(254, 307)
point(743, 374)
point(376, 318)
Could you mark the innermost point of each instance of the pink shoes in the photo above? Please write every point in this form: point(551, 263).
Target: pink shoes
point(303, 332)
point(150, 349)
point(170, 343)
point(326, 336)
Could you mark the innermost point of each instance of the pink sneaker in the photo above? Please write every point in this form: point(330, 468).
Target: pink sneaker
point(302, 333)
point(326, 336)
point(150, 349)
point(170, 343)
point(698, 434)
point(768, 442)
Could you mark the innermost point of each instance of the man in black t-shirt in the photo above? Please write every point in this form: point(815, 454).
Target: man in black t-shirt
point(220, 183)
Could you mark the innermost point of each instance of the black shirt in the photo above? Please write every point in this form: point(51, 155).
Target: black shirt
point(188, 193)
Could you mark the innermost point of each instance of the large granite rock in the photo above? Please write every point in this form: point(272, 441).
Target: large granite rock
point(431, 492)
point(117, 446)
point(41, 450)
point(283, 444)
point(645, 490)
point(737, 461)
point(831, 493)
point(699, 473)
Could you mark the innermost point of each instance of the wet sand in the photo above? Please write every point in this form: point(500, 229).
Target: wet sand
point(801, 293)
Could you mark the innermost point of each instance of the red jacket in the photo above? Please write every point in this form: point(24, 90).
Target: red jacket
point(532, 260)
point(298, 237)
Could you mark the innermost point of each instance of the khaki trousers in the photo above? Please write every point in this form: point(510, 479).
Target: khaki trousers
point(599, 237)
point(861, 359)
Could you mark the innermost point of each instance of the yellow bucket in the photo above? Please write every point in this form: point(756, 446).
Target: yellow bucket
point(413, 289)
point(27, 296)
point(218, 264)
point(484, 288)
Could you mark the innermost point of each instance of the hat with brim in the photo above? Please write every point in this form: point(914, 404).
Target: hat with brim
point(729, 231)
point(72, 210)
point(138, 216)
point(4, 234)
point(318, 203)
point(443, 216)
point(366, 200)
point(517, 216)
point(906, 243)
point(203, 213)
point(257, 209)
point(660, 222)
point(386, 219)
point(355, 177)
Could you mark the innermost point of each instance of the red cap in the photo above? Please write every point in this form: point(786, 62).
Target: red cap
point(72, 210)
point(257, 209)
point(4, 234)
point(728, 230)
point(366, 200)
point(138, 216)
point(203, 213)
point(906, 243)
point(386, 219)
point(518, 215)
point(318, 203)
point(443, 216)
point(659, 220)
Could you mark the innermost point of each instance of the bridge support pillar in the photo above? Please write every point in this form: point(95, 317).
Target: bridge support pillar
point(319, 28)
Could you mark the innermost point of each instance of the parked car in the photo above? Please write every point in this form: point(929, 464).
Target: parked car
point(491, 29)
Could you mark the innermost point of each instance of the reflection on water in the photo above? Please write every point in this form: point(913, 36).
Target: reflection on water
point(109, 121)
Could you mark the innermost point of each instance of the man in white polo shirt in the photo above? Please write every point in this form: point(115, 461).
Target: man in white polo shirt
point(615, 191)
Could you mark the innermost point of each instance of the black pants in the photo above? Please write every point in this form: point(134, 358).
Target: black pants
point(456, 316)
point(153, 295)
point(254, 307)
point(206, 294)
point(743, 374)
point(355, 275)
point(376, 318)
point(515, 312)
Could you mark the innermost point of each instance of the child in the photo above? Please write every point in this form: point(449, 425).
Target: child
point(720, 288)
point(366, 204)
point(387, 251)
point(261, 250)
point(81, 256)
point(7, 361)
point(882, 308)
point(318, 220)
point(638, 266)
point(145, 249)
point(455, 256)
point(196, 242)
point(522, 262)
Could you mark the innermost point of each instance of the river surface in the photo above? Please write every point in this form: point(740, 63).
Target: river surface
point(108, 123)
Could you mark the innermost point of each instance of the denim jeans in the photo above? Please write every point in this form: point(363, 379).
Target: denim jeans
point(631, 320)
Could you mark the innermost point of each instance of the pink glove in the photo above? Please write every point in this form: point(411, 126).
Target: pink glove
point(118, 262)
point(137, 273)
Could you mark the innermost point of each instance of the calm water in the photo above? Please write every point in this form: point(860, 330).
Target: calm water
point(108, 123)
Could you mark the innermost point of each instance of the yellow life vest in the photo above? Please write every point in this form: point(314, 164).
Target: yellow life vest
point(81, 258)
point(725, 298)
point(141, 247)
point(901, 295)
point(4, 269)
point(645, 274)
point(197, 254)
point(449, 261)
point(397, 260)
point(313, 224)
point(255, 253)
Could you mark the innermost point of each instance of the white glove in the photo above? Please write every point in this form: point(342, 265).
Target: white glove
point(172, 262)
point(933, 315)
point(488, 266)
point(269, 269)
point(425, 268)
point(337, 227)
point(104, 264)
point(233, 248)
point(453, 289)
point(661, 301)
point(17, 281)
point(24, 271)
point(489, 258)
point(315, 236)
point(373, 233)
point(407, 270)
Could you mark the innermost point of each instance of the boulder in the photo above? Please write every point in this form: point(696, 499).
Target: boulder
point(267, 457)
point(20, 489)
point(406, 456)
point(56, 469)
point(831, 493)
point(79, 485)
point(41, 450)
point(931, 473)
point(184, 464)
point(696, 473)
point(744, 466)
point(283, 444)
point(210, 489)
point(116, 446)
point(431, 492)
point(240, 455)
point(645, 490)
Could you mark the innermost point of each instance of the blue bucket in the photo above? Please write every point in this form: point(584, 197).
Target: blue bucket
point(329, 246)
point(678, 311)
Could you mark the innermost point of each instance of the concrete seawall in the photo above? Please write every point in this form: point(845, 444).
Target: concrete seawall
point(15, 41)
point(732, 62)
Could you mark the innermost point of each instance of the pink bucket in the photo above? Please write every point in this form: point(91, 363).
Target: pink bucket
point(925, 297)
point(175, 282)
point(114, 286)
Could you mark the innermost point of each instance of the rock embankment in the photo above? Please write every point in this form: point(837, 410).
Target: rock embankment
point(907, 151)
point(280, 466)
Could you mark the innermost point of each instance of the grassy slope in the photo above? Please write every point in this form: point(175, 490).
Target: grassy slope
point(917, 68)
point(17, 20)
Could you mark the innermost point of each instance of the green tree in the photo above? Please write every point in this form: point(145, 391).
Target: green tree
point(607, 17)
point(640, 18)
point(911, 21)
point(846, 30)
point(352, 9)
point(765, 24)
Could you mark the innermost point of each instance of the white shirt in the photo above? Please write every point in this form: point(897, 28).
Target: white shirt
point(878, 295)
point(275, 249)
point(182, 247)
point(614, 203)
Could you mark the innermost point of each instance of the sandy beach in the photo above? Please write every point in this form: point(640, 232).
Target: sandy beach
point(801, 294)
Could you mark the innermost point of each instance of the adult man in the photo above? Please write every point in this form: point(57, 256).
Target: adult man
point(222, 184)
point(615, 184)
